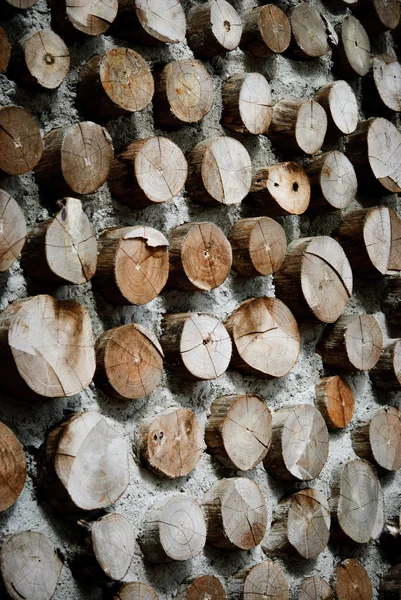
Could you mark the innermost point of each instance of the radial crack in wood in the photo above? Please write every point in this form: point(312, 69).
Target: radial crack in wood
point(213, 28)
point(339, 101)
point(247, 103)
point(12, 468)
point(21, 145)
point(379, 439)
point(204, 587)
point(298, 125)
point(266, 31)
point(309, 31)
point(12, 230)
point(263, 580)
point(315, 588)
point(335, 400)
point(75, 17)
point(387, 79)
point(352, 54)
point(352, 580)
point(333, 181)
point(151, 22)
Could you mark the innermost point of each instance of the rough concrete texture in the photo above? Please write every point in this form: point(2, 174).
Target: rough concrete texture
point(30, 422)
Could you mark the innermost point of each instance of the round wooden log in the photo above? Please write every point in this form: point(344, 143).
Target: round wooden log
point(339, 101)
point(386, 374)
point(150, 22)
point(387, 78)
point(351, 580)
point(21, 4)
point(352, 54)
point(204, 587)
point(171, 443)
point(315, 279)
point(247, 103)
point(12, 230)
point(379, 440)
point(281, 189)
point(76, 159)
point(309, 31)
point(336, 402)
point(118, 82)
point(266, 31)
point(298, 125)
point(196, 345)
point(136, 590)
point(333, 181)
point(238, 430)
point(378, 16)
point(259, 245)
point(219, 171)
point(129, 362)
point(300, 444)
point(46, 347)
point(30, 566)
point(213, 28)
point(391, 305)
point(315, 588)
point(300, 526)
point(265, 579)
point(21, 145)
point(147, 172)
point(83, 16)
point(12, 468)
point(173, 530)
point(390, 584)
point(356, 502)
point(5, 50)
point(200, 257)
point(265, 337)
point(64, 249)
point(132, 264)
point(236, 514)
point(184, 93)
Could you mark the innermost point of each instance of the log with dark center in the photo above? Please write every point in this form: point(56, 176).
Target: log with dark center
point(213, 28)
point(281, 189)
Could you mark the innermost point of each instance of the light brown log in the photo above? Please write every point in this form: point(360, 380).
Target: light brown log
point(281, 189)
point(213, 28)
point(12, 468)
point(171, 443)
point(300, 443)
point(46, 348)
point(379, 439)
point(136, 590)
point(333, 181)
point(129, 362)
point(391, 301)
point(259, 245)
point(238, 430)
point(219, 171)
point(30, 566)
point(204, 587)
point(387, 78)
point(298, 125)
point(132, 264)
point(386, 374)
point(150, 22)
point(247, 103)
point(21, 4)
point(21, 145)
point(339, 101)
point(236, 514)
point(309, 31)
point(63, 249)
point(351, 580)
point(336, 402)
point(352, 54)
point(118, 82)
point(200, 257)
point(378, 16)
point(264, 579)
point(147, 172)
point(315, 588)
point(184, 93)
point(75, 17)
point(390, 584)
point(76, 159)
point(300, 526)
point(12, 230)
point(196, 345)
point(265, 337)
point(5, 50)
point(266, 31)
point(315, 279)
point(173, 530)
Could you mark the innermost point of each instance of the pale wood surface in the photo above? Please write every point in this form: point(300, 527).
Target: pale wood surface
point(309, 31)
point(379, 439)
point(315, 588)
point(13, 230)
point(214, 28)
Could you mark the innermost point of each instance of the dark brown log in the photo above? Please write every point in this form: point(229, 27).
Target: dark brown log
point(12, 230)
point(390, 584)
point(315, 588)
point(76, 17)
point(386, 374)
point(204, 587)
point(391, 301)
point(150, 22)
point(213, 28)
point(379, 440)
point(390, 539)
point(265, 337)
point(352, 54)
point(266, 31)
point(351, 580)
point(298, 125)
point(136, 591)
point(12, 468)
point(21, 4)
point(387, 77)
point(21, 145)
point(281, 189)
point(309, 31)
point(247, 103)
point(264, 579)
point(132, 264)
point(76, 159)
point(148, 172)
point(315, 280)
point(236, 514)
point(378, 16)
point(5, 50)
point(336, 402)
point(339, 101)
point(333, 180)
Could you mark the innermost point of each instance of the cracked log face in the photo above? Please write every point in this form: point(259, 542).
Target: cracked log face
point(162, 20)
point(333, 180)
point(309, 31)
point(266, 31)
point(136, 590)
point(379, 440)
point(340, 103)
point(247, 103)
point(84, 16)
point(265, 579)
point(298, 125)
point(387, 79)
point(214, 28)
point(352, 55)
point(351, 580)
point(315, 588)
point(113, 543)
point(12, 230)
point(335, 400)
point(12, 468)
point(204, 587)
point(21, 145)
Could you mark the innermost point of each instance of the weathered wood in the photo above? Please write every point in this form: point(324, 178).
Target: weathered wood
point(150, 22)
point(391, 301)
point(378, 16)
point(13, 230)
point(236, 514)
point(309, 31)
point(315, 588)
point(336, 402)
point(298, 125)
point(390, 584)
point(351, 580)
point(352, 54)
point(12, 468)
point(247, 103)
point(21, 4)
point(132, 264)
point(21, 145)
point(265, 337)
point(339, 101)
point(379, 439)
point(204, 587)
point(386, 374)
point(264, 579)
point(136, 590)
point(213, 28)
point(5, 50)
point(281, 189)
point(300, 443)
point(266, 31)
point(387, 78)
point(78, 17)
point(333, 181)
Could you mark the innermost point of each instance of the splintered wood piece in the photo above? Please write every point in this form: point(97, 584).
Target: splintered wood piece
point(196, 345)
point(118, 82)
point(282, 189)
point(173, 530)
point(379, 440)
point(171, 443)
point(30, 566)
point(213, 28)
point(300, 443)
point(352, 54)
point(204, 587)
point(339, 101)
point(352, 581)
point(12, 232)
point(300, 526)
point(5, 50)
point(236, 514)
point(219, 171)
point(64, 249)
point(112, 541)
point(136, 591)
point(386, 374)
point(259, 245)
point(200, 257)
point(299, 125)
point(184, 93)
point(336, 402)
point(129, 362)
point(76, 159)
point(265, 337)
point(390, 584)
point(378, 16)
point(12, 468)
point(147, 172)
point(315, 588)
point(247, 103)
point(132, 264)
point(264, 580)
point(309, 31)
point(151, 22)
point(83, 16)
point(266, 31)
point(391, 305)
point(21, 145)
point(333, 180)
point(387, 78)
point(315, 279)
point(238, 431)
point(22, 4)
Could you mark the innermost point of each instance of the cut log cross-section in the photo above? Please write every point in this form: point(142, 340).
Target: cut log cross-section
point(352, 54)
point(379, 440)
point(204, 587)
point(12, 468)
point(378, 16)
point(298, 125)
point(214, 28)
point(150, 22)
point(339, 101)
point(83, 17)
point(5, 50)
point(336, 402)
point(309, 31)
point(315, 588)
point(281, 189)
point(333, 181)
point(264, 580)
point(247, 103)
point(266, 31)
point(386, 374)
point(351, 580)
point(12, 232)
point(387, 79)
point(136, 590)
point(21, 145)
